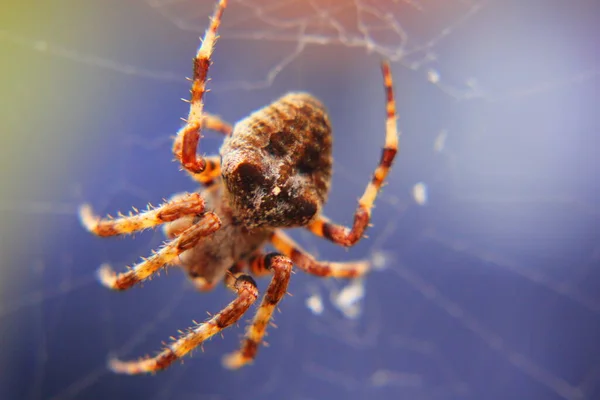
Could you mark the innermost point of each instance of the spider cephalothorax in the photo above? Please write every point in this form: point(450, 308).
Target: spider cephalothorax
point(274, 172)
point(276, 165)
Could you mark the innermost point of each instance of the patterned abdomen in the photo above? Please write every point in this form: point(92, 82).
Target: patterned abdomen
point(276, 165)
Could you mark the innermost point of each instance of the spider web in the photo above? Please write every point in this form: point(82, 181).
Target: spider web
point(485, 238)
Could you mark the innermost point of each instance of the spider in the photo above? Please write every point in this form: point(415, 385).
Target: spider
point(273, 172)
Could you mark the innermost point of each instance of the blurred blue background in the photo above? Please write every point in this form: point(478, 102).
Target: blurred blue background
point(489, 290)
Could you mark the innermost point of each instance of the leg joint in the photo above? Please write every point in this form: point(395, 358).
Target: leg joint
point(279, 262)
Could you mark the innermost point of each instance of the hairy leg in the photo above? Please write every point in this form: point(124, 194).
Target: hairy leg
point(215, 123)
point(281, 267)
point(247, 293)
point(342, 235)
point(185, 146)
point(208, 224)
point(183, 205)
point(212, 169)
point(307, 263)
point(211, 172)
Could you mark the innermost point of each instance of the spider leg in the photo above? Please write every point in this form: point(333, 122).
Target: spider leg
point(215, 123)
point(208, 224)
point(172, 229)
point(209, 121)
point(212, 169)
point(247, 293)
point(281, 267)
point(211, 172)
point(342, 235)
point(186, 143)
point(307, 263)
point(187, 204)
point(258, 266)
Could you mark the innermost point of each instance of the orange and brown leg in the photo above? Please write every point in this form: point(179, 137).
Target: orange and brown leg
point(211, 172)
point(209, 121)
point(342, 235)
point(247, 293)
point(186, 204)
point(307, 263)
point(212, 169)
point(281, 268)
point(172, 229)
point(215, 123)
point(185, 146)
point(169, 254)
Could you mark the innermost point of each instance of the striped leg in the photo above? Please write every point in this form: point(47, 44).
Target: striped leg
point(247, 293)
point(342, 235)
point(210, 122)
point(258, 265)
point(307, 263)
point(281, 267)
point(212, 169)
point(185, 146)
point(211, 172)
point(208, 224)
point(186, 204)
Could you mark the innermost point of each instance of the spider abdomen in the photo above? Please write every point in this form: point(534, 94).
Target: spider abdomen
point(276, 165)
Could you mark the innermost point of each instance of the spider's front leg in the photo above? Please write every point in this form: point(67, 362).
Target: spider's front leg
point(185, 204)
point(212, 167)
point(185, 146)
point(342, 235)
point(211, 172)
point(169, 254)
point(281, 267)
point(247, 293)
